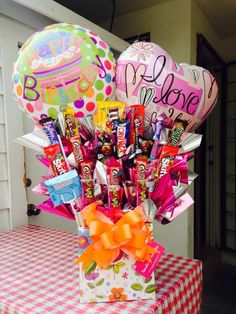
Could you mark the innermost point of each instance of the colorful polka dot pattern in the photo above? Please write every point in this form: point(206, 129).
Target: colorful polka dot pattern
point(102, 88)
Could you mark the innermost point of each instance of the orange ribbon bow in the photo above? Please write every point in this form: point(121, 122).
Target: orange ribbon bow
point(129, 235)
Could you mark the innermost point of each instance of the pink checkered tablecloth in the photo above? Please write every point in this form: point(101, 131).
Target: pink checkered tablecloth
point(37, 275)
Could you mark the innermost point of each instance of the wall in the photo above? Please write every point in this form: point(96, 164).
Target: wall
point(199, 24)
point(169, 25)
point(230, 158)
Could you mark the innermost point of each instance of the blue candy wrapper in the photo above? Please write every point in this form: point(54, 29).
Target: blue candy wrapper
point(64, 188)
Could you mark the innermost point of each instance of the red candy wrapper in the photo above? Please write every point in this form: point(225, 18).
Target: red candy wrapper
point(141, 166)
point(56, 159)
point(130, 190)
point(136, 124)
point(167, 157)
point(77, 151)
point(122, 136)
point(115, 193)
point(87, 170)
point(87, 192)
point(114, 190)
point(113, 171)
point(87, 182)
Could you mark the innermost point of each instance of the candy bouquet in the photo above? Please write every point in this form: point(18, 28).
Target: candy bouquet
point(113, 166)
point(115, 181)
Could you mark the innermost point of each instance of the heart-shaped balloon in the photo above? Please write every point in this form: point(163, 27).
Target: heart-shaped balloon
point(147, 75)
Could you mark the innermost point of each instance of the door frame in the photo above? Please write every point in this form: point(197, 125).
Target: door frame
point(200, 162)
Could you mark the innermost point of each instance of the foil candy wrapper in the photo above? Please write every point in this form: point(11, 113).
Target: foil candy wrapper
point(150, 209)
point(179, 190)
point(183, 203)
point(86, 127)
point(189, 142)
point(100, 173)
point(191, 176)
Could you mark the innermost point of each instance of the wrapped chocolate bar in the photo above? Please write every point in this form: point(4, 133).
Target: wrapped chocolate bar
point(50, 130)
point(122, 137)
point(87, 183)
point(156, 138)
point(179, 127)
point(71, 127)
point(136, 124)
point(107, 114)
point(141, 165)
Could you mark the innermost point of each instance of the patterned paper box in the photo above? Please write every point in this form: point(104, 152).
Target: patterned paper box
point(118, 282)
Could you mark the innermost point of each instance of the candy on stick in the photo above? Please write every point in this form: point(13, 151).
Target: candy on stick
point(141, 165)
point(87, 182)
point(56, 159)
point(114, 196)
point(114, 189)
point(167, 157)
point(136, 124)
point(77, 151)
point(71, 127)
point(65, 189)
point(156, 138)
point(130, 190)
point(122, 136)
point(179, 127)
point(107, 114)
point(50, 130)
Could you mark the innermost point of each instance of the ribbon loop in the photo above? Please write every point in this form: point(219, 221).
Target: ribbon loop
point(129, 235)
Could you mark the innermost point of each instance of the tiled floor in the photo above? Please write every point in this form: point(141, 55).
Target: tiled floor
point(219, 295)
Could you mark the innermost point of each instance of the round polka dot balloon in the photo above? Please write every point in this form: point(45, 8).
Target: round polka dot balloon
point(63, 64)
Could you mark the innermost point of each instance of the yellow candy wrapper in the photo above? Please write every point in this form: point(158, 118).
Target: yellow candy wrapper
point(107, 113)
point(71, 127)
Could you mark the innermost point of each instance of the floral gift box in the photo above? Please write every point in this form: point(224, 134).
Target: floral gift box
point(117, 282)
point(117, 258)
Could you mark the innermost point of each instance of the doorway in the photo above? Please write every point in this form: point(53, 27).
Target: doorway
point(210, 190)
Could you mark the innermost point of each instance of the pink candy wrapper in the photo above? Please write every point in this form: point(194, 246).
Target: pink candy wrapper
point(62, 210)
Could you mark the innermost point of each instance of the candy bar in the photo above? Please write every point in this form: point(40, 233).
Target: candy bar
point(86, 170)
point(136, 124)
point(167, 157)
point(56, 159)
point(179, 127)
point(107, 114)
point(87, 182)
point(122, 134)
point(114, 196)
point(113, 172)
point(77, 151)
point(141, 165)
point(49, 129)
point(156, 138)
point(71, 127)
point(87, 192)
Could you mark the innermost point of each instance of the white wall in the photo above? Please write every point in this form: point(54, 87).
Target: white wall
point(13, 203)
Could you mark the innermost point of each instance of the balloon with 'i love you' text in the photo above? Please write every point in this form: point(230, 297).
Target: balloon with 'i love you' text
point(63, 64)
point(147, 75)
